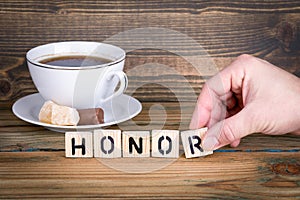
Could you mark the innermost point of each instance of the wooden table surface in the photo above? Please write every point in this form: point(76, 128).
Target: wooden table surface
point(32, 159)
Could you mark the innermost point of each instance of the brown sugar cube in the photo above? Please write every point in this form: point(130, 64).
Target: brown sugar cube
point(45, 114)
point(58, 115)
point(91, 116)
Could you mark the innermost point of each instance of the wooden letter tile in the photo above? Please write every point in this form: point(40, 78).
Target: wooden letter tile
point(165, 143)
point(136, 144)
point(79, 144)
point(191, 141)
point(107, 143)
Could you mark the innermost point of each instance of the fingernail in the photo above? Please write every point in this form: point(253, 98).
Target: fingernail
point(210, 143)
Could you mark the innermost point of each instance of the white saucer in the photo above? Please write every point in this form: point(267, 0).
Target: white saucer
point(117, 110)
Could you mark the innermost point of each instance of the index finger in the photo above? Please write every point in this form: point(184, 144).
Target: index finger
point(209, 109)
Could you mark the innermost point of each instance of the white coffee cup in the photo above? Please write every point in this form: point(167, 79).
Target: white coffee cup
point(78, 87)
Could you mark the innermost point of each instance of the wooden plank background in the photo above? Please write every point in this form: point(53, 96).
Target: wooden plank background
point(225, 29)
point(50, 175)
point(32, 162)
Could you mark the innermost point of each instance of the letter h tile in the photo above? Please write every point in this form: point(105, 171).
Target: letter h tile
point(79, 144)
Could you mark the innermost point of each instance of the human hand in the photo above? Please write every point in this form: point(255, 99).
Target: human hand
point(249, 96)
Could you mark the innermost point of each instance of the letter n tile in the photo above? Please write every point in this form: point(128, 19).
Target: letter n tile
point(136, 144)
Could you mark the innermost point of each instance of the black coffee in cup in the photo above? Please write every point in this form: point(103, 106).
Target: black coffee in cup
point(75, 61)
point(78, 74)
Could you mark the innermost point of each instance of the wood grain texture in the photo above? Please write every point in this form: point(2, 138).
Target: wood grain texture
point(32, 162)
point(152, 6)
point(218, 176)
point(269, 30)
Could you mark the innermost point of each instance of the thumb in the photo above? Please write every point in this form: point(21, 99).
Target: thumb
point(229, 130)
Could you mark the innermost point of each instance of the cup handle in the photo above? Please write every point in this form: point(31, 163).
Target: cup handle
point(123, 83)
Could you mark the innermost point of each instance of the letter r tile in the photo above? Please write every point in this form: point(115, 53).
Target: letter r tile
point(107, 143)
point(79, 144)
point(191, 141)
